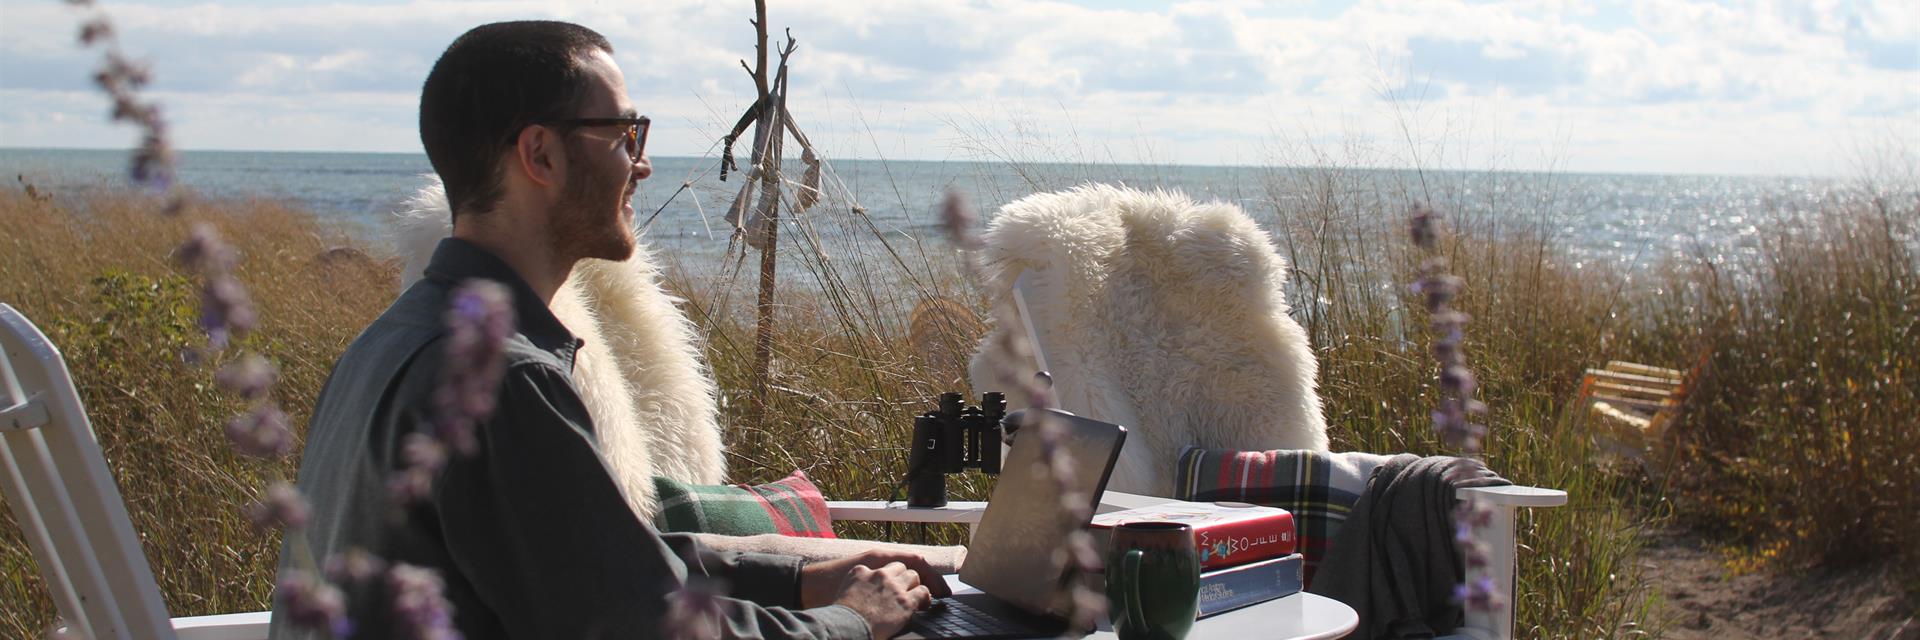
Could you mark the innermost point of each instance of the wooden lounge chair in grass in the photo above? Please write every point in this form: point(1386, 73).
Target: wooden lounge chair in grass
point(1632, 404)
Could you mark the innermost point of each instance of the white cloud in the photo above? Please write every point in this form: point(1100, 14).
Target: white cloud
point(1643, 85)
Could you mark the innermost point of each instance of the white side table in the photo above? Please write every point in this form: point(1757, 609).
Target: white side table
point(1301, 616)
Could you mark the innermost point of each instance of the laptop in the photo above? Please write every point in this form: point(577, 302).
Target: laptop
point(1013, 546)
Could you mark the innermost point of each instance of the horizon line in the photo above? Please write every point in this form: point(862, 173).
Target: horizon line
point(10, 147)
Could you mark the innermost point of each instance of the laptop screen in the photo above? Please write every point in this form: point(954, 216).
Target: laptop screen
point(1012, 555)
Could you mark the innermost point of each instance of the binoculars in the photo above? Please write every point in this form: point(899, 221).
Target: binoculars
point(950, 440)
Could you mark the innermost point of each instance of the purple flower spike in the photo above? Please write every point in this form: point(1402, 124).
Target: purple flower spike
point(204, 250)
point(354, 567)
point(694, 613)
point(282, 508)
point(94, 30)
point(957, 218)
point(1458, 380)
point(421, 457)
point(420, 612)
point(479, 321)
point(227, 306)
point(1478, 594)
point(1453, 417)
point(1425, 227)
point(249, 376)
point(310, 602)
point(261, 433)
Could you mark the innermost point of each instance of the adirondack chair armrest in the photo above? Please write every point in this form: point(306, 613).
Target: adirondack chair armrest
point(230, 626)
point(1514, 496)
point(1498, 537)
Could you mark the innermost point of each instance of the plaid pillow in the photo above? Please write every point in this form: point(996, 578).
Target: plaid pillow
point(792, 507)
point(1320, 489)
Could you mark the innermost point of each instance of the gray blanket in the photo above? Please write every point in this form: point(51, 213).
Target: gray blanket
point(1394, 560)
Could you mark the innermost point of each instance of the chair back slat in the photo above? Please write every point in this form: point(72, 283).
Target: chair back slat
point(13, 487)
point(87, 547)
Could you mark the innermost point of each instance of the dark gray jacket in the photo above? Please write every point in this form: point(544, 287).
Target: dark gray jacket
point(530, 534)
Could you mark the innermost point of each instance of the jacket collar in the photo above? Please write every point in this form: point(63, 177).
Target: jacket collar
point(455, 261)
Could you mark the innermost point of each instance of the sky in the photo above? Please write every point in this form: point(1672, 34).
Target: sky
point(1637, 86)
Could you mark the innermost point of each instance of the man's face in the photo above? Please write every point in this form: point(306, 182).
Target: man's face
point(594, 216)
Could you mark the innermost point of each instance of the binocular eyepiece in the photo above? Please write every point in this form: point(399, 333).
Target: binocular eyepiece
point(951, 439)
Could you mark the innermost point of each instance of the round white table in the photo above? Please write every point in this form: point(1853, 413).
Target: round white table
point(1301, 616)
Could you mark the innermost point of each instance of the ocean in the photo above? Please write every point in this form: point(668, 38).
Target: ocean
point(1633, 222)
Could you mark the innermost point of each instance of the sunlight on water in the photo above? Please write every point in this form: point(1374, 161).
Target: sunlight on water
point(1634, 222)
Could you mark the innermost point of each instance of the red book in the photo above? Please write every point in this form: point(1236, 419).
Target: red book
point(1226, 533)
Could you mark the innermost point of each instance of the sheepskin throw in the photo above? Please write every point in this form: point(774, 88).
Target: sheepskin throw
point(1157, 313)
point(640, 374)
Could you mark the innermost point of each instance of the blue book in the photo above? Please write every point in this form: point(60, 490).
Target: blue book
point(1223, 590)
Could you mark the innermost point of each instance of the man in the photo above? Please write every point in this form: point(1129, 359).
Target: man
point(530, 127)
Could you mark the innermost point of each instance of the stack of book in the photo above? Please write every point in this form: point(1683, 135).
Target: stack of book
point(1247, 552)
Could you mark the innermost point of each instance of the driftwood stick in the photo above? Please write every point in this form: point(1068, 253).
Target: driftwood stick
point(766, 161)
point(760, 47)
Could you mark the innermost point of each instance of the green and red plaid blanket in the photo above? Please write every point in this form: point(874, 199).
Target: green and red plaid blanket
point(1319, 489)
point(791, 506)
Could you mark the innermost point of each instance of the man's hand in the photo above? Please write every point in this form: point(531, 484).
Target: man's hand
point(883, 587)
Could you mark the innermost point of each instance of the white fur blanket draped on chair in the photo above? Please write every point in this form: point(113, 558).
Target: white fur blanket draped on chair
point(1161, 314)
point(640, 375)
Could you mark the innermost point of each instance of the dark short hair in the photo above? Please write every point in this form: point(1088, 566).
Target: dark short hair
point(491, 83)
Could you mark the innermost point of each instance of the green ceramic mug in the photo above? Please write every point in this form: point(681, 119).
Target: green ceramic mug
point(1153, 580)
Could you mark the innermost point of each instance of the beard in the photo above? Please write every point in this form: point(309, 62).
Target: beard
point(588, 220)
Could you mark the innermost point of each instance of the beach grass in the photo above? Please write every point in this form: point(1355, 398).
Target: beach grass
point(95, 277)
point(1796, 446)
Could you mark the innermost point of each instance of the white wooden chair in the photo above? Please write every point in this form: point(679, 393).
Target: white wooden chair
point(1498, 535)
point(70, 509)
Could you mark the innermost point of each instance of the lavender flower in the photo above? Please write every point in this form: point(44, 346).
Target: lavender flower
point(1479, 594)
point(354, 567)
point(261, 433)
point(205, 251)
point(94, 30)
point(249, 376)
point(282, 508)
point(421, 457)
point(1453, 419)
point(957, 219)
point(122, 78)
point(226, 312)
point(479, 320)
point(308, 601)
point(694, 612)
point(420, 612)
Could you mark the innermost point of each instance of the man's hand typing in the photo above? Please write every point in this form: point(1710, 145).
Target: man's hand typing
point(883, 587)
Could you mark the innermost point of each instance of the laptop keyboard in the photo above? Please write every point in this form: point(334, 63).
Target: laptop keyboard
point(961, 620)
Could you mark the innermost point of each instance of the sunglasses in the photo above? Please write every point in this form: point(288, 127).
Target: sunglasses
point(635, 137)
